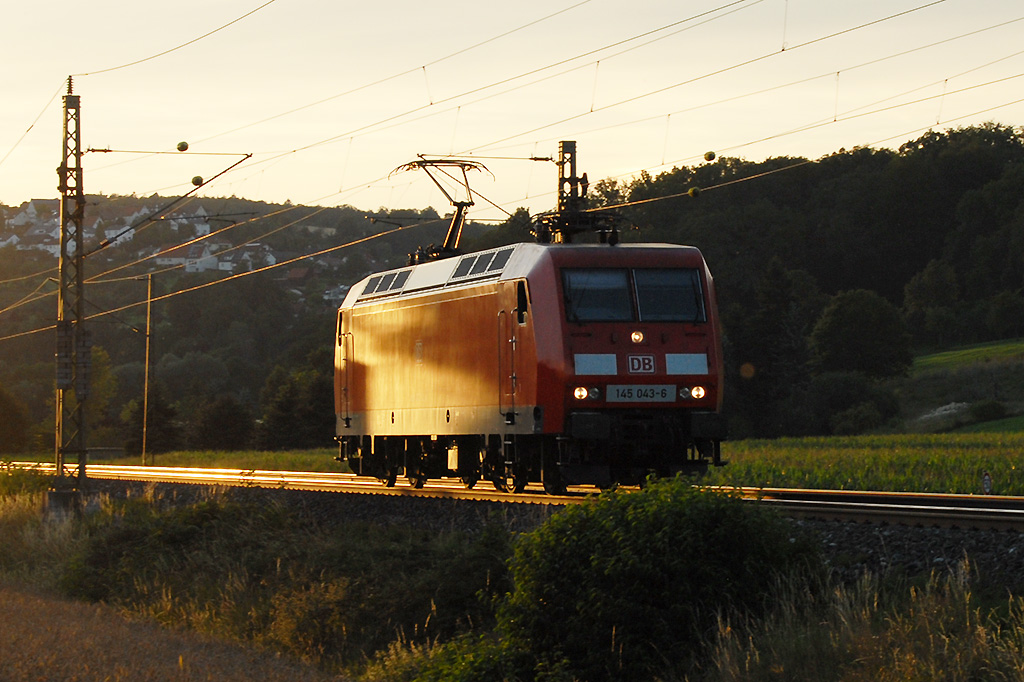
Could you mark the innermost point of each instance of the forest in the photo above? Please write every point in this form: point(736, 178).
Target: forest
point(831, 274)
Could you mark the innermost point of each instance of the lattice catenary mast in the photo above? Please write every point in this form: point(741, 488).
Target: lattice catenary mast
point(73, 346)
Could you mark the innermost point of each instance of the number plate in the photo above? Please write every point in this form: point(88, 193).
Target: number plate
point(641, 393)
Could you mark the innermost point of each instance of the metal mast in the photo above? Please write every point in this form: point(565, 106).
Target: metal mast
point(571, 218)
point(72, 339)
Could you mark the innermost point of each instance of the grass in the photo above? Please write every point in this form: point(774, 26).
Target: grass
point(1007, 425)
point(319, 460)
point(968, 355)
point(238, 583)
point(870, 632)
point(941, 463)
point(942, 387)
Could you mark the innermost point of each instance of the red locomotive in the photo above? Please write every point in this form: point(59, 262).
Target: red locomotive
point(554, 362)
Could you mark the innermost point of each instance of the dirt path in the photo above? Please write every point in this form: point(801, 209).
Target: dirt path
point(44, 639)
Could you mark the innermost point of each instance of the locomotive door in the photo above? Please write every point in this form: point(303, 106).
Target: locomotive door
point(508, 365)
point(344, 351)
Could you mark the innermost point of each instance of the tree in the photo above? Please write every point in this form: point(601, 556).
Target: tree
point(222, 423)
point(514, 230)
point(163, 432)
point(299, 406)
point(1005, 317)
point(860, 331)
point(769, 345)
point(14, 424)
point(929, 299)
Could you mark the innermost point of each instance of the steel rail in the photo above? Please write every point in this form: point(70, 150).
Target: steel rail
point(450, 488)
point(1000, 512)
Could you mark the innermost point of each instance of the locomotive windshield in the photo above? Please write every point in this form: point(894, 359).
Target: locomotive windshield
point(638, 294)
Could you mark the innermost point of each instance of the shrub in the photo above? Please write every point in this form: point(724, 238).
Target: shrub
point(987, 410)
point(857, 419)
point(840, 403)
point(633, 583)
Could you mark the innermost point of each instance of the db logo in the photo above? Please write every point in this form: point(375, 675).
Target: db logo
point(641, 364)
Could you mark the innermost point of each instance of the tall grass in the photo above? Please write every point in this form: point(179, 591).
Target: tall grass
point(936, 631)
point(331, 594)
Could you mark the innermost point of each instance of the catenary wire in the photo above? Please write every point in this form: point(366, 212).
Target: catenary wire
point(808, 79)
point(379, 124)
point(837, 34)
point(175, 49)
point(32, 125)
point(716, 72)
point(395, 119)
point(398, 75)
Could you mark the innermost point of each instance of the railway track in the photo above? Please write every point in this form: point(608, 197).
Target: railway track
point(918, 509)
point(450, 488)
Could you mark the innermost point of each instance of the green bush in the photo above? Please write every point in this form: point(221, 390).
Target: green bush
point(857, 419)
point(842, 403)
point(987, 410)
point(634, 584)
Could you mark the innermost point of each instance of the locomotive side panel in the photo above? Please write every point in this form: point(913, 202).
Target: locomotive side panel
point(454, 362)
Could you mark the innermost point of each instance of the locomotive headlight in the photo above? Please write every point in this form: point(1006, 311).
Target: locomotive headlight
point(580, 393)
point(637, 337)
point(697, 392)
point(584, 393)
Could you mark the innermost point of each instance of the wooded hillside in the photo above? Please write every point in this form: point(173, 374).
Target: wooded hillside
point(830, 274)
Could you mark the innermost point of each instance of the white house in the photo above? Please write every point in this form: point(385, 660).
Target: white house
point(200, 259)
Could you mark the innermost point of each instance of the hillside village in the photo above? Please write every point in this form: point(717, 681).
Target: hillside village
point(186, 242)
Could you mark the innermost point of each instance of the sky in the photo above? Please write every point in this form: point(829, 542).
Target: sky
point(331, 97)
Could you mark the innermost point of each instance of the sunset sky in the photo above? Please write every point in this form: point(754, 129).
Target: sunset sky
point(331, 97)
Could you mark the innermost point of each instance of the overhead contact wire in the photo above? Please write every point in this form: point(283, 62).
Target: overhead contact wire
point(175, 49)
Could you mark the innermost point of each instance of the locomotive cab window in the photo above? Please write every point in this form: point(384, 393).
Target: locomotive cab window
point(639, 294)
point(593, 295)
point(664, 295)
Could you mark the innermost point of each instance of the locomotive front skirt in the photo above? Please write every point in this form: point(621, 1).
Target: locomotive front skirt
point(559, 363)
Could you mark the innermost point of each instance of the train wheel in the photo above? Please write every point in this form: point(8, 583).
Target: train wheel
point(513, 480)
point(554, 484)
point(470, 480)
point(390, 477)
point(416, 474)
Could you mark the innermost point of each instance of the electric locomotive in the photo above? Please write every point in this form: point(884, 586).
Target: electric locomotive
point(554, 362)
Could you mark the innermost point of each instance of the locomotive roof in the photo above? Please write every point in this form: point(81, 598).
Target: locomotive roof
point(506, 262)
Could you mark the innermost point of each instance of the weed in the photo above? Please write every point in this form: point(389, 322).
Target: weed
point(17, 480)
point(865, 632)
